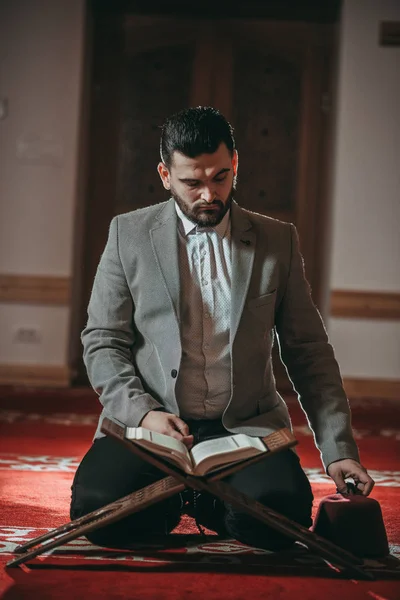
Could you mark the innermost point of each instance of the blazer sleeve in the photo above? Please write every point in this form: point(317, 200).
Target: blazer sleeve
point(108, 339)
point(311, 364)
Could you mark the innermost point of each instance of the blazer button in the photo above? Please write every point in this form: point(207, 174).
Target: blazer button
point(174, 373)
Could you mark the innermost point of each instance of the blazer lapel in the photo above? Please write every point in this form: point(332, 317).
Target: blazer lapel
point(164, 240)
point(243, 251)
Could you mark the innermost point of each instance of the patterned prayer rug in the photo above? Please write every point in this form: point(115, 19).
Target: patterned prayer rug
point(39, 452)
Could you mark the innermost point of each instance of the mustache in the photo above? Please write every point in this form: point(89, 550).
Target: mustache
point(214, 203)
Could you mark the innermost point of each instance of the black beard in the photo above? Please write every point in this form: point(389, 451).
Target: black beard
point(201, 217)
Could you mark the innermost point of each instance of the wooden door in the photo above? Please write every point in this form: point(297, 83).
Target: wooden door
point(265, 77)
point(269, 80)
point(165, 69)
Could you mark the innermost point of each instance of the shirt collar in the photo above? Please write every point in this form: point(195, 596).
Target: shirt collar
point(187, 226)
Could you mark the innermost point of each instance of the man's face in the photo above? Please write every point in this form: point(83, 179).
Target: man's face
point(202, 186)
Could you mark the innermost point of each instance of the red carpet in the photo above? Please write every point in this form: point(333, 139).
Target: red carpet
point(43, 437)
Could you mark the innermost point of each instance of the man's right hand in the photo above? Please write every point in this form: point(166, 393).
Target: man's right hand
point(168, 424)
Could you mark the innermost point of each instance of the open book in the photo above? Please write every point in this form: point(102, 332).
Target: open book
point(204, 457)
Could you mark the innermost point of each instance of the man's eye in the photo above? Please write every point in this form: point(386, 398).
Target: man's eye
point(220, 179)
point(192, 184)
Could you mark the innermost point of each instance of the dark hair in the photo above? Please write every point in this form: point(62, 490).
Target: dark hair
point(195, 131)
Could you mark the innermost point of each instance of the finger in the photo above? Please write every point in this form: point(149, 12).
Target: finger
point(188, 441)
point(363, 481)
point(180, 426)
point(175, 434)
point(366, 485)
point(341, 486)
point(359, 487)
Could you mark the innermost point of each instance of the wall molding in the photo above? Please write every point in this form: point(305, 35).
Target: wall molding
point(383, 389)
point(35, 289)
point(365, 305)
point(35, 375)
point(61, 376)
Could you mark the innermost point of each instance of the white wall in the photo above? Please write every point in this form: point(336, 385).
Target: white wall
point(41, 53)
point(366, 195)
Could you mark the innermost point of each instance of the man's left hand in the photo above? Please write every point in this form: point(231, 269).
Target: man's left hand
point(341, 470)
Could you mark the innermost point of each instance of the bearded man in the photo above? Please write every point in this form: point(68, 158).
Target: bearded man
point(188, 298)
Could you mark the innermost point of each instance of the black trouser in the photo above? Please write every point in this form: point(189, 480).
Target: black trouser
point(110, 471)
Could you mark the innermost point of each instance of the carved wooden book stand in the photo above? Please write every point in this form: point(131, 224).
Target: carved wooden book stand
point(175, 482)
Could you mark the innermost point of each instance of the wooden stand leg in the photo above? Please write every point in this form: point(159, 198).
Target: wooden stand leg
point(152, 494)
point(327, 550)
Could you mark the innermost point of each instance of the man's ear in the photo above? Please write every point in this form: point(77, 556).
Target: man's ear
point(164, 174)
point(235, 162)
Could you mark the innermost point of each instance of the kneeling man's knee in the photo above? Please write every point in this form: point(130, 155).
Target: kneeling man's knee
point(251, 531)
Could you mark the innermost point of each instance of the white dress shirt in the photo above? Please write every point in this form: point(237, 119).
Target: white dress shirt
point(203, 387)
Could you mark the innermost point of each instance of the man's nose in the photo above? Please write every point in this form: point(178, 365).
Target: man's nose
point(208, 195)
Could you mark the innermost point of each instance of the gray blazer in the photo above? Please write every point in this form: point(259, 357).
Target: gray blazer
point(132, 347)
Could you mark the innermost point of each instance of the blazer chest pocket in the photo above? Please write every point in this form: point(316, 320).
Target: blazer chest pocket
point(263, 306)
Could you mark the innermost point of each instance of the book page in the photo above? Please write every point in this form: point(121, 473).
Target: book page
point(231, 445)
point(161, 444)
